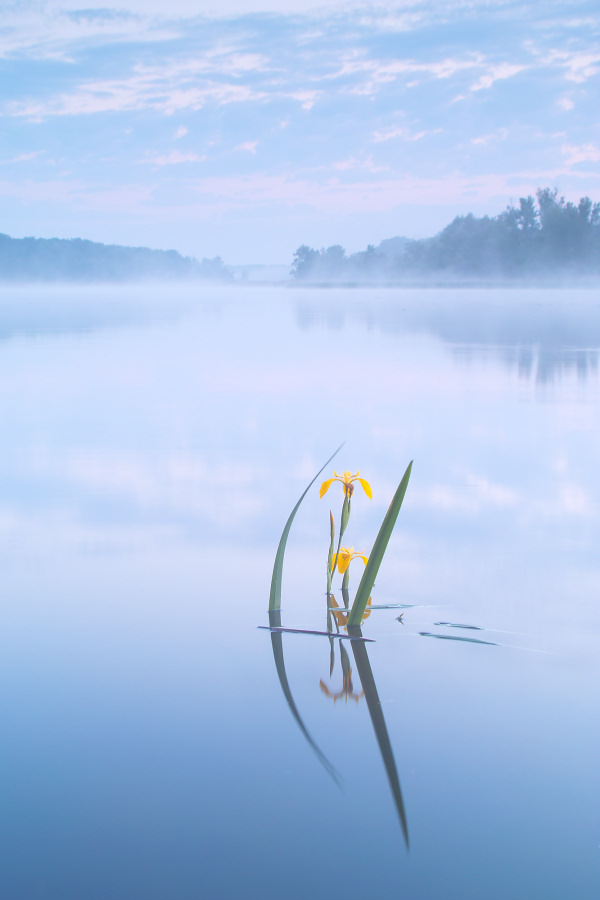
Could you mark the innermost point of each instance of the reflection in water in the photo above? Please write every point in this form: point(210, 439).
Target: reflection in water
point(277, 645)
point(369, 692)
point(367, 681)
point(347, 690)
point(540, 333)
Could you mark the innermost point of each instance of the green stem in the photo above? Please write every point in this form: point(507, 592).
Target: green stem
point(330, 555)
point(346, 589)
point(343, 523)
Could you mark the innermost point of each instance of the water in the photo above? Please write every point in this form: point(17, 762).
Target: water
point(154, 443)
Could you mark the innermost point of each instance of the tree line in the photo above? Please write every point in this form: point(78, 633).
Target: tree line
point(55, 259)
point(542, 237)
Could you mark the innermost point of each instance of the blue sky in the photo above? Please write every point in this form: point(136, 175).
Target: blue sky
point(248, 130)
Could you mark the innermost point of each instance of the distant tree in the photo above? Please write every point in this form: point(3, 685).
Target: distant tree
point(303, 264)
point(540, 236)
point(54, 259)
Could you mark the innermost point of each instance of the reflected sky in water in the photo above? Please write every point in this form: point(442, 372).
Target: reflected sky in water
point(155, 441)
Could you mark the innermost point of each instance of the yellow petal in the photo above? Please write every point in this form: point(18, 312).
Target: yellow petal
point(366, 488)
point(367, 611)
point(340, 618)
point(364, 558)
point(325, 487)
point(343, 562)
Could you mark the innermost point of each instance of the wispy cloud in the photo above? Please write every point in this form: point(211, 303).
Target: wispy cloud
point(247, 146)
point(352, 163)
point(577, 65)
point(582, 153)
point(169, 89)
point(55, 33)
point(173, 158)
point(342, 196)
point(339, 112)
point(565, 103)
point(380, 72)
point(484, 139)
point(405, 134)
point(22, 157)
point(497, 73)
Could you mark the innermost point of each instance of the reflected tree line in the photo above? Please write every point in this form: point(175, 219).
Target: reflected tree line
point(538, 238)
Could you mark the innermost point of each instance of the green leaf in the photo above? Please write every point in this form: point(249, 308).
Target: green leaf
point(377, 553)
point(275, 595)
point(365, 673)
point(277, 644)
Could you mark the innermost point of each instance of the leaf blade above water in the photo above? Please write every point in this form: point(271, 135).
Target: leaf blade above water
point(377, 553)
point(275, 593)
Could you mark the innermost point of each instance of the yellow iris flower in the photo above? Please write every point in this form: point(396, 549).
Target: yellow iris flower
point(347, 481)
point(340, 615)
point(345, 557)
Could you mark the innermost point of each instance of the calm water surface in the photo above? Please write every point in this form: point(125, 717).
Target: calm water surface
point(154, 443)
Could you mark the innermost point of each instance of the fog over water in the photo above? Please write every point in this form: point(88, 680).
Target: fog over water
point(155, 442)
point(235, 239)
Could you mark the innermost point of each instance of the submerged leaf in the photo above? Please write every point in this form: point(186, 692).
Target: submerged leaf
point(457, 637)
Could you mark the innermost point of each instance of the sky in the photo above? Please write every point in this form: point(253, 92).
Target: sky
point(248, 127)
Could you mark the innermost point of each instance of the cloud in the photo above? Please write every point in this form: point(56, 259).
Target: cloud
point(484, 139)
point(167, 89)
point(581, 153)
point(383, 72)
point(22, 157)
point(172, 159)
point(404, 133)
point(565, 103)
point(248, 146)
point(345, 165)
point(307, 98)
point(56, 33)
point(582, 66)
point(480, 495)
point(579, 65)
point(181, 132)
point(342, 197)
point(79, 195)
point(497, 73)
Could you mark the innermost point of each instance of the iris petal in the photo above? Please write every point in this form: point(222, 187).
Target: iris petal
point(366, 488)
point(343, 562)
point(325, 487)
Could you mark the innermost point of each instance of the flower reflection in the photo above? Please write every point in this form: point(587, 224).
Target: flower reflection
point(347, 481)
point(347, 691)
point(341, 615)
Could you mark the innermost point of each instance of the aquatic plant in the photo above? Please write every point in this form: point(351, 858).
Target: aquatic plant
point(377, 553)
point(275, 593)
point(344, 555)
point(347, 618)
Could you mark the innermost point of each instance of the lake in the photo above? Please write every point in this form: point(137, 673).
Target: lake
point(158, 743)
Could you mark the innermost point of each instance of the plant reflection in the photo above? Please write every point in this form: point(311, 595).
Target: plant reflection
point(365, 673)
point(277, 645)
point(346, 617)
point(369, 692)
point(347, 691)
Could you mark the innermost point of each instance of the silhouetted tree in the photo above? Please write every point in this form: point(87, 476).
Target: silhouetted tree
point(540, 236)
